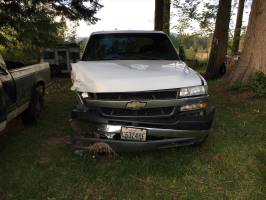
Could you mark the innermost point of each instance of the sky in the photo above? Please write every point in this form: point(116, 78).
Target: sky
point(129, 15)
point(121, 15)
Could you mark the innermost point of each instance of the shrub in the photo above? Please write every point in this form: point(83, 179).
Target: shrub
point(258, 85)
point(237, 86)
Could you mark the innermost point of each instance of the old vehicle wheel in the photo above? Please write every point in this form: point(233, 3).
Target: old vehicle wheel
point(33, 113)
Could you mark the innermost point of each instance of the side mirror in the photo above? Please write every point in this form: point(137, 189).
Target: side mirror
point(182, 55)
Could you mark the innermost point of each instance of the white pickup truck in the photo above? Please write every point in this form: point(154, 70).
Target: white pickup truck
point(135, 94)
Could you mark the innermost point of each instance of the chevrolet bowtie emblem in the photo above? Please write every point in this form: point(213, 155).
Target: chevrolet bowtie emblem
point(136, 105)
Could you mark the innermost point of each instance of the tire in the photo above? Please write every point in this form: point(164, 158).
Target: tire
point(33, 113)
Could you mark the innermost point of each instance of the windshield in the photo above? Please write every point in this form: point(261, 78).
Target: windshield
point(129, 46)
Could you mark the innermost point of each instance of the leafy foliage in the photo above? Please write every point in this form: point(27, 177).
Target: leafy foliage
point(35, 19)
point(36, 24)
point(257, 84)
point(207, 17)
point(191, 11)
point(194, 41)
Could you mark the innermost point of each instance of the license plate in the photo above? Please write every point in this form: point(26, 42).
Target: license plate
point(135, 134)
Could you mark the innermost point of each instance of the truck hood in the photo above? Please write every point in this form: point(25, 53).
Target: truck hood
point(131, 76)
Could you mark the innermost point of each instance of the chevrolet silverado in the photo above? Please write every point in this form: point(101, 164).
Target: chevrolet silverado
point(135, 94)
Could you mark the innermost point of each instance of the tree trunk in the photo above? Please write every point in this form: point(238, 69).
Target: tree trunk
point(167, 10)
point(238, 27)
point(159, 8)
point(220, 40)
point(253, 55)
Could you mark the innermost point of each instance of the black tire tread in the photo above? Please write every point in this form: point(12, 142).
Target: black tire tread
point(30, 115)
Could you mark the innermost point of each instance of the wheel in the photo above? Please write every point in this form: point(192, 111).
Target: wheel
point(33, 113)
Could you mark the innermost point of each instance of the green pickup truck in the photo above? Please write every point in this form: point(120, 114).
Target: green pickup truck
point(22, 91)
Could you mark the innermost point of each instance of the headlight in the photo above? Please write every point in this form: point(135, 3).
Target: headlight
point(83, 96)
point(196, 106)
point(194, 91)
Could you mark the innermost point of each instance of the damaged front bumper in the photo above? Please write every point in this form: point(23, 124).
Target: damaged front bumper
point(181, 129)
point(162, 138)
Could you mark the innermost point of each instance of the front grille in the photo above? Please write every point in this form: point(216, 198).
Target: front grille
point(129, 96)
point(146, 112)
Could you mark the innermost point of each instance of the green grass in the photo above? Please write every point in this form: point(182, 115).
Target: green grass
point(35, 164)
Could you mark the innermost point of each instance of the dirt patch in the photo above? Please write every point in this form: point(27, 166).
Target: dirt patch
point(56, 140)
point(59, 86)
point(222, 92)
point(218, 157)
point(236, 96)
point(2, 196)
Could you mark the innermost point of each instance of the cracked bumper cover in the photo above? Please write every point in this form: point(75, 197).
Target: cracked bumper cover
point(161, 133)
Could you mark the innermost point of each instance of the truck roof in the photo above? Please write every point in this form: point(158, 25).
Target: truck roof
point(127, 31)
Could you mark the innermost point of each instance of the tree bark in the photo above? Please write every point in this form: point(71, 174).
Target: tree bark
point(167, 11)
point(159, 8)
point(220, 40)
point(238, 27)
point(253, 55)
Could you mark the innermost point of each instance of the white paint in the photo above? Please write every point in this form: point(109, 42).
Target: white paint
point(132, 75)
